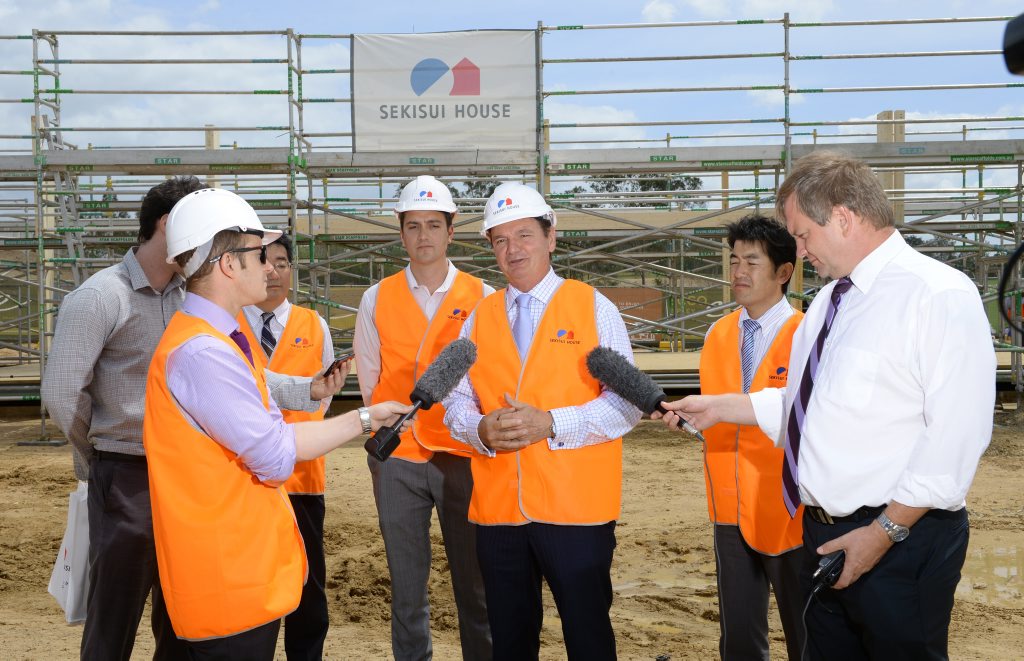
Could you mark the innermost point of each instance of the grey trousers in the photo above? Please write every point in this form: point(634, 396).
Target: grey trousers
point(746, 578)
point(406, 493)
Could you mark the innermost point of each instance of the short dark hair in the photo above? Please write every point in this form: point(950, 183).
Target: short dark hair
point(448, 216)
point(286, 241)
point(161, 199)
point(775, 240)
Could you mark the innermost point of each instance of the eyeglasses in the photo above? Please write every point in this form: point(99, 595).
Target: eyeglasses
point(262, 249)
point(282, 266)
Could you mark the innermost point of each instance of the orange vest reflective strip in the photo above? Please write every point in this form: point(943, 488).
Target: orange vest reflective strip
point(298, 353)
point(228, 548)
point(408, 344)
point(574, 487)
point(745, 466)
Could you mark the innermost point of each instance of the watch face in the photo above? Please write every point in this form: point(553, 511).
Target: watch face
point(899, 533)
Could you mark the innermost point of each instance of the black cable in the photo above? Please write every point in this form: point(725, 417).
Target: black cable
point(803, 619)
point(1011, 265)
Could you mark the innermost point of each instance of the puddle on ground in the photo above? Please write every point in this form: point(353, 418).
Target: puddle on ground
point(993, 570)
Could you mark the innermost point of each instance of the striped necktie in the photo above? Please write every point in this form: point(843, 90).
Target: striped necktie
point(790, 474)
point(267, 340)
point(750, 328)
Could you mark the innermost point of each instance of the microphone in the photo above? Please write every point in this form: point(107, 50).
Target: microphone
point(630, 383)
point(440, 379)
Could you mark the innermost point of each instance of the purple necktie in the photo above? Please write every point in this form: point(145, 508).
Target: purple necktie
point(243, 344)
point(790, 474)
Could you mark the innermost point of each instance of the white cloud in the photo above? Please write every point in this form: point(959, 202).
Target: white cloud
point(773, 98)
point(659, 11)
point(559, 112)
point(807, 10)
point(209, 6)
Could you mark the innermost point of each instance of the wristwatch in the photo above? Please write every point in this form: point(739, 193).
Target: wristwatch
point(895, 531)
point(364, 419)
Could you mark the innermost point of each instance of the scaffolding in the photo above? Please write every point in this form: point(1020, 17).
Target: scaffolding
point(640, 216)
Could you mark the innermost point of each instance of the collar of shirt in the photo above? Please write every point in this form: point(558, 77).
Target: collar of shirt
point(445, 286)
point(866, 272)
point(254, 316)
point(137, 276)
point(772, 315)
point(543, 291)
point(210, 312)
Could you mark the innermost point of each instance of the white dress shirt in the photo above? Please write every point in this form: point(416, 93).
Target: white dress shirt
point(367, 340)
point(902, 404)
point(254, 316)
point(601, 419)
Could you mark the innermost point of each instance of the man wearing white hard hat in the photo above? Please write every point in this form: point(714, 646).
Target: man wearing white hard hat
point(404, 322)
point(230, 556)
point(547, 476)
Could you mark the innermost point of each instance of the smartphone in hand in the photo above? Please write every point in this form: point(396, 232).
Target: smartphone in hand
point(339, 361)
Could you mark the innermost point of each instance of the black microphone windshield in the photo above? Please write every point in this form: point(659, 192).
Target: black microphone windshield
point(445, 372)
point(624, 379)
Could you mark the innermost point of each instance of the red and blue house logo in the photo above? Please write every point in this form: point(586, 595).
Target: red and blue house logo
point(302, 342)
point(459, 314)
point(507, 202)
point(780, 374)
point(564, 336)
point(426, 194)
point(427, 72)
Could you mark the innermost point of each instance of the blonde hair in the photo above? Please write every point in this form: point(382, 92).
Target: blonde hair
point(825, 179)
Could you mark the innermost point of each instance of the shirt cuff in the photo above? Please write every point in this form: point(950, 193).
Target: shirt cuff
point(473, 434)
point(291, 392)
point(768, 409)
point(566, 422)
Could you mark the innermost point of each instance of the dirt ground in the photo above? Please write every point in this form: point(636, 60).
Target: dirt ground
point(665, 599)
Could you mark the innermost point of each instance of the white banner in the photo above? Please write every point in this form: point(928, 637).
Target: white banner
point(444, 91)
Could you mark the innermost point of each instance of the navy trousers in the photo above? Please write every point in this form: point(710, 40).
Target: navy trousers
point(576, 563)
point(901, 608)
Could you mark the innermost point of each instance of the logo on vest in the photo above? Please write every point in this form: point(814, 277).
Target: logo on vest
point(564, 337)
point(302, 343)
point(779, 376)
point(458, 314)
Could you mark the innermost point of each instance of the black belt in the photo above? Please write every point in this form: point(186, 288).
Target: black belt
point(118, 456)
point(821, 516)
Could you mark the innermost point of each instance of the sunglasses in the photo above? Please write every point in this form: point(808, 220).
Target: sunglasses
point(262, 249)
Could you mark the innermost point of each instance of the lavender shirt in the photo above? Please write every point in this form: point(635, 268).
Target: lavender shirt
point(215, 390)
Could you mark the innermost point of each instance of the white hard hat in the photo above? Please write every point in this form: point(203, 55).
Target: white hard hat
point(511, 201)
point(200, 215)
point(424, 193)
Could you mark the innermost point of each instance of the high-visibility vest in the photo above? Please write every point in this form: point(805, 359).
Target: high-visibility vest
point(575, 487)
point(744, 468)
point(228, 548)
point(408, 344)
point(298, 353)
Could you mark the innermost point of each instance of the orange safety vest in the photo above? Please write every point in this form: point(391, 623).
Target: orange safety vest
point(228, 548)
point(745, 466)
point(298, 353)
point(408, 344)
point(581, 486)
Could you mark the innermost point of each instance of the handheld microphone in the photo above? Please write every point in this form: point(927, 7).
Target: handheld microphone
point(630, 383)
point(437, 381)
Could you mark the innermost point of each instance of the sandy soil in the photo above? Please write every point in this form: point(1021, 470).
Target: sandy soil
point(665, 599)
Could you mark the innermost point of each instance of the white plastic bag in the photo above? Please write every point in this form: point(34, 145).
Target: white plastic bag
point(69, 582)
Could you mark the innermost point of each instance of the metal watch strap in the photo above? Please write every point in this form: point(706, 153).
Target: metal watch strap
point(364, 419)
point(895, 531)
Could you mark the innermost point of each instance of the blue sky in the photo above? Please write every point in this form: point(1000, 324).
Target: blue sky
point(348, 17)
